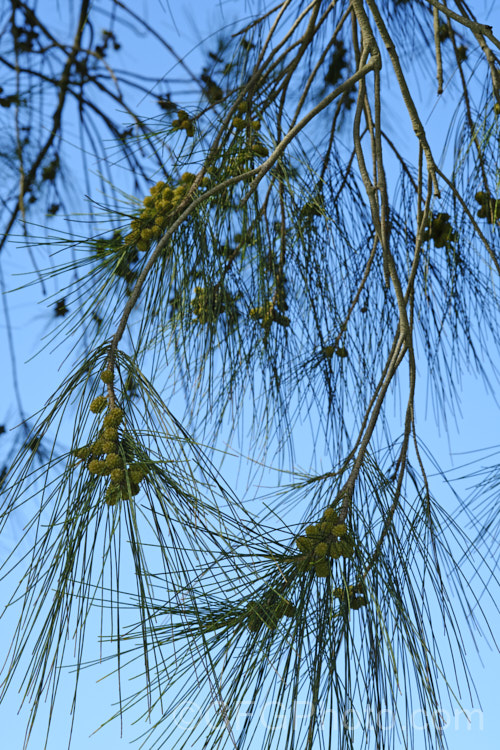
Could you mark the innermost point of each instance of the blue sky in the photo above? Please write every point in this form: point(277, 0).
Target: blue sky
point(476, 428)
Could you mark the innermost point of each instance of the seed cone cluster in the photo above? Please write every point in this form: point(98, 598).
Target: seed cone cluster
point(325, 541)
point(268, 611)
point(123, 256)
point(440, 231)
point(489, 207)
point(106, 457)
point(159, 210)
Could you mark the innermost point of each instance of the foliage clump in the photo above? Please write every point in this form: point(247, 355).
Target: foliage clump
point(210, 302)
point(268, 611)
point(118, 254)
point(316, 230)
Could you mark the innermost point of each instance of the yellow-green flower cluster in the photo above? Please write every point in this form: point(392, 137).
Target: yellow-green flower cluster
point(107, 377)
point(268, 314)
point(183, 122)
point(105, 456)
point(156, 215)
point(325, 541)
point(98, 404)
point(268, 611)
point(489, 207)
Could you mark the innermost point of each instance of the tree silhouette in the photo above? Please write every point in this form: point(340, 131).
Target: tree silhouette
point(293, 248)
